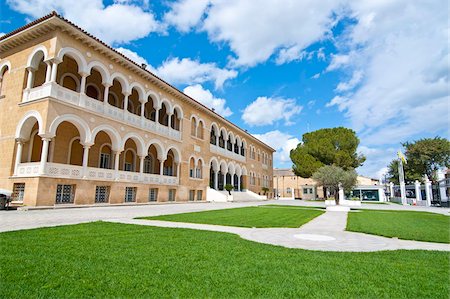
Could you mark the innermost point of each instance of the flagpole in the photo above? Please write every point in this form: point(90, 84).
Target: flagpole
point(401, 179)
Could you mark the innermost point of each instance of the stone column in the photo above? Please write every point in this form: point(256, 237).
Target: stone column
point(428, 192)
point(403, 193)
point(161, 167)
point(116, 164)
point(105, 95)
point(141, 164)
point(232, 179)
point(44, 154)
point(30, 78)
point(418, 198)
point(55, 63)
point(125, 104)
point(341, 194)
point(48, 71)
point(157, 115)
point(86, 148)
point(391, 190)
point(83, 82)
point(239, 182)
point(216, 180)
point(18, 155)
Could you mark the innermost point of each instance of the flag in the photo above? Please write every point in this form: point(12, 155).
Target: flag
point(402, 157)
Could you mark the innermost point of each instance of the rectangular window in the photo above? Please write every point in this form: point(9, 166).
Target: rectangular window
point(65, 193)
point(18, 191)
point(191, 173)
point(153, 194)
point(101, 194)
point(191, 195)
point(130, 194)
point(199, 194)
point(105, 161)
point(172, 194)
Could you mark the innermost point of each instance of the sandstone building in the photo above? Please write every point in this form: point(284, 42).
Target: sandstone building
point(82, 124)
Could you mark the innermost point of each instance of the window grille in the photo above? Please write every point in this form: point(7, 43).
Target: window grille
point(130, 194)
point(172, 194)
point(65, 193)
point(153, 194)
point(18, 191)
point(191, 195)
point(102, 194)
point(199, 195)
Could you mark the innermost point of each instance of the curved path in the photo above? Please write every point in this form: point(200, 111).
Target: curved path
point(326, 233)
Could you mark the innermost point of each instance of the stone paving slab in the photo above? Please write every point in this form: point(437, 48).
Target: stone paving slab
point(330, 224)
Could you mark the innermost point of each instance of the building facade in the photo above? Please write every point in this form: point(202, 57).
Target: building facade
point(290, 186)
point(82, 124)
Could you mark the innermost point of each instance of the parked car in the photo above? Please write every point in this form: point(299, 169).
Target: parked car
point(5, 199)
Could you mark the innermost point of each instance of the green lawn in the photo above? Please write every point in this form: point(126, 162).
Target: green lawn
point(262, 216)
point(419, 226)
point(110, 260)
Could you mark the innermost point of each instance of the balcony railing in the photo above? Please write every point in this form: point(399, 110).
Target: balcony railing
point(72, 97)
point(224, 152)
point(92, 173)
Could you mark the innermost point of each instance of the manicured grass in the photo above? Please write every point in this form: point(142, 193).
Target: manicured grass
point(262, 216)
point(419, 226)
point(109, 260)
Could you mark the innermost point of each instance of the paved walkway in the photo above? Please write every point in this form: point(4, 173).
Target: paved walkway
point(326, 232)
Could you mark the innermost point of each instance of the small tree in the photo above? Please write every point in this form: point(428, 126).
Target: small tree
point(265, 190)
point(229, 187)
point(332, 177)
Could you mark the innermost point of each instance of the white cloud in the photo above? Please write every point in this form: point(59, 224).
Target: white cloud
point(316, 76)
point(119, 22)
point(354, 80)
point(132, 55)
point(255, 30)
point(205, 97)
point(282, 143)
point(188, 71)
point(266, 111)
point(338, 61)
point(294, 53)
point(186, 14)
point(402, 48)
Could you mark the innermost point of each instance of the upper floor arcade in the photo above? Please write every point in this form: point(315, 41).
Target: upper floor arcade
point(73, 67)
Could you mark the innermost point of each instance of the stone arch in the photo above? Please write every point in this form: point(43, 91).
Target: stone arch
point(4, 65)
point(101, 68)
point(155, 98)
point(111, 132)
point(176, 152)
point(122, 80)
point(215, 163)
point(31, 62)
point(231, 168)
point(25, 125)
point(179, 111)
point(140, 143)
point(75, 78)
point(159, 148)
point(75, 55)
point(79, 123)
point(215, 127)
point(140, 90)
point(223, 167)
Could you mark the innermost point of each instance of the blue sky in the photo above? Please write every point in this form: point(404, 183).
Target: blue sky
point(378, 67)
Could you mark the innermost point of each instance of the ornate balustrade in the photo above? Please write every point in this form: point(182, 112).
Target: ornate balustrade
point(72, 97)
point(224, 152)
point(92, 173)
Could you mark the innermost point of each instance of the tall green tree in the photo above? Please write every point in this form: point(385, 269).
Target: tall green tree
point(331, 146)
point(425, 156)
point(332, 177)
